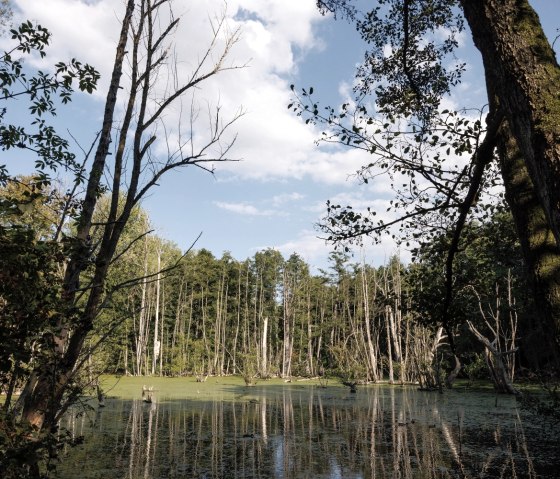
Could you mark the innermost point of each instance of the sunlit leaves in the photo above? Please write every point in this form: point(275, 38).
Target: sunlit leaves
point(404, 63)
point(428, 169)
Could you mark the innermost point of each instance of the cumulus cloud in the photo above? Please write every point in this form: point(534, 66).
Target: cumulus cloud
point(277, 205)
point(315, 250)
point(272, 143)
point(308, 245)
point(85, 30)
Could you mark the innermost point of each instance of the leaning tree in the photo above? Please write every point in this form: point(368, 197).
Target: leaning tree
point(146, 132)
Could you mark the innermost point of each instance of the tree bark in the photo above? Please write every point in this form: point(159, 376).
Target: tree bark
point(540, 251)
point(522, 78)
point(525, 75)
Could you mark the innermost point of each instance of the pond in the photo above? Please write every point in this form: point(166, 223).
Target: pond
point(222, 429)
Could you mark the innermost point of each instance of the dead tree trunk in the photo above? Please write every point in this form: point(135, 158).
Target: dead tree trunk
point(495, 362)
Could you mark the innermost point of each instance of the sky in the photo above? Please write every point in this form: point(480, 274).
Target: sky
point(276, 192)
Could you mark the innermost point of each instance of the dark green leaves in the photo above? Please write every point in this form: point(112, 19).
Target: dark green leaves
point(43, 91)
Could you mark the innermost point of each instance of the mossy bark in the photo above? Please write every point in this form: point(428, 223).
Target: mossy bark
point(540, 252)
point(526, 81)
point(523, 83)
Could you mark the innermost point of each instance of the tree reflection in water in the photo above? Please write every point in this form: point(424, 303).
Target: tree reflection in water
point(296, 432)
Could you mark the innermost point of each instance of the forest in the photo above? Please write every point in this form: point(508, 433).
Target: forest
point(195, 314)
point(89, 290)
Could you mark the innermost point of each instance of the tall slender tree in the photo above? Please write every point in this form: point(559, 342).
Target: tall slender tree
point(143, 50)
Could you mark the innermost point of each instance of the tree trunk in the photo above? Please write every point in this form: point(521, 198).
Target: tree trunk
point(525, 75)
point(221, 366)
point(157, 342)
point(161, 335)
point(310, 364)
point(43, 404)
point(371, 351)
point(540, 252)
point(522, 77)
point(264, 357)
point(237, 324)
point(495, 362)
point(388, 312)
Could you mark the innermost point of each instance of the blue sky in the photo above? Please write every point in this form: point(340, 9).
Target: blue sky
point(277, 191)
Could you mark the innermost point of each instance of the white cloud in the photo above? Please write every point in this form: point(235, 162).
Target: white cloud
point(87, 31)
point(277, 202)
point(286, 198)
point(315, 250)
point(247, 209)
point(240, 208)
point(272, 142)
point(308, 245)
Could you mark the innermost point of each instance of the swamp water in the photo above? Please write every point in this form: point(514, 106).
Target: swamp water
point(226, 430)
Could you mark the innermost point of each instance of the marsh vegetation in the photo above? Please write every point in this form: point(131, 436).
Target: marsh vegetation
point(221, 428)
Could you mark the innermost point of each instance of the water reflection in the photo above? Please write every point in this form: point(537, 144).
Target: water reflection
point(295, 432)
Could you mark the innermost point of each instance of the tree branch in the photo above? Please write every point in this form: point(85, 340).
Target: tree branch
point(482, 157)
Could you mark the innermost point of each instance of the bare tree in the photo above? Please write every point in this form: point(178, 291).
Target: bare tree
point(500, 349)
point(155, 89)
point(424, 347)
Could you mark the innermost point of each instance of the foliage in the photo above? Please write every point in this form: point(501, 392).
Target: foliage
point(409, 45)
point(30, 209)
point(325, 315)
point(349, 368)
point(22, 458)
point(248, 368)
point(395, 115)
point(546, 405)
point(442, 165)
point(475, 368)
point(30, 308)
point(487, 252)
point(427, 169)
point(30, 303)
point(41, 90)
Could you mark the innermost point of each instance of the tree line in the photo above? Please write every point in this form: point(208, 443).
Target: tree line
point(269, 315)
point(173, 313)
